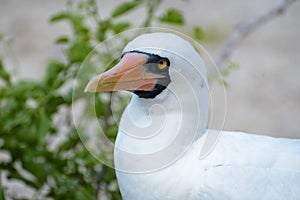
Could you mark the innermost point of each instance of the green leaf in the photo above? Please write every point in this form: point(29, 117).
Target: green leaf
point(76, 20)
point(44, 124)
point(225, 72)
point(62, 40)
point(233, 65)
point(173, 16)
point(104, 25)
point(59, 17)
point(53, 104)
point(53, 70)
point(119, 27)
point(198, 33)
point(112, 131)
point(4, 74)
point(124, 8)
point(79, 51)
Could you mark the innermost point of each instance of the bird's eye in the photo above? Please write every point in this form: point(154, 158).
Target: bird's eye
point(162, 64)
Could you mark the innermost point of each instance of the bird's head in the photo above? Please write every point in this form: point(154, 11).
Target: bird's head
point(145, 74)
point(168, 78)
point(146, 65)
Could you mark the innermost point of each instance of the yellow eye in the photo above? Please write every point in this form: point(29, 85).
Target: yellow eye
point(162, 64)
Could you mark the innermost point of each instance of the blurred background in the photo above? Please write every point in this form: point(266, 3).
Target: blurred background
point(262, 96)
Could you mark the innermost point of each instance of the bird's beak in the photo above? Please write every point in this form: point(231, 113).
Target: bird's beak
point(129, 74)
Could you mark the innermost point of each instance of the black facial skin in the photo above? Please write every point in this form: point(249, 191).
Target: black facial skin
point(152, 66)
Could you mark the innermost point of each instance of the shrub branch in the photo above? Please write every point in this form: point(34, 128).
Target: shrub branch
point(244, 29)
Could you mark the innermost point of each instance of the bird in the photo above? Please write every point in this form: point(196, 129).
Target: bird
point(163, 131)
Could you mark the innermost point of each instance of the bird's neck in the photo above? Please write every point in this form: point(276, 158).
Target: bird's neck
point(163, 128)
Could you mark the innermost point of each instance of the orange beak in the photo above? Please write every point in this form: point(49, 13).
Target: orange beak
point(129, 74)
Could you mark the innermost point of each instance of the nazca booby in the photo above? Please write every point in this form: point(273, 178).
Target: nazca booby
point(163, 129)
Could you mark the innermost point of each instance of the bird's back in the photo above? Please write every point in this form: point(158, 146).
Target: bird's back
point(241, 166)
point(246, 166)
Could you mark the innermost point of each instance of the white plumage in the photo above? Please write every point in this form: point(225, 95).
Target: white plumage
point(241, 166)
point(157, 152)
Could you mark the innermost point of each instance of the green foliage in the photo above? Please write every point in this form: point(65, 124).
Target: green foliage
point(29, 109)
point(125, 8)
point(172, 16)
point(198, 33)
point(231, 66)
point(4, 75)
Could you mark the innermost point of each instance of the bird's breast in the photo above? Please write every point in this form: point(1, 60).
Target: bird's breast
point(178, 180)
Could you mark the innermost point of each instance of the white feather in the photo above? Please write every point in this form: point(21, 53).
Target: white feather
point(157, 152)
